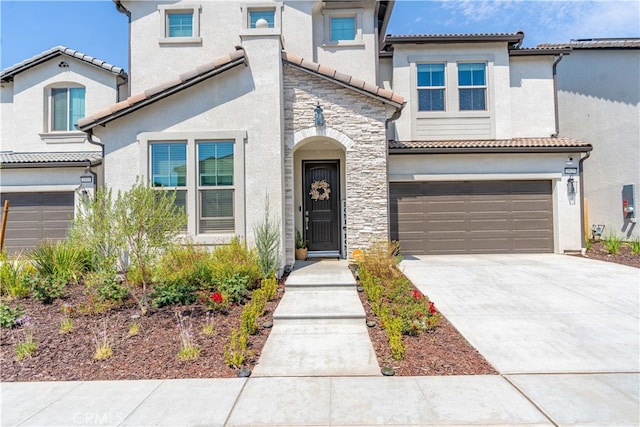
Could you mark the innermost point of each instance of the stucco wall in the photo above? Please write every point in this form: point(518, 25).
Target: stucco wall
point(447, 167)
point(357, 124)
point(495, 123)
point(532, 103)
point(599, 102)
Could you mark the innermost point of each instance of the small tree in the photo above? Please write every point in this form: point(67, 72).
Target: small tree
point(149, 221)
point(267, 235)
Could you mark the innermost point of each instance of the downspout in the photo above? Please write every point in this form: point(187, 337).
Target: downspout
point(582, 225)
point(555, 95)
point(101, 145)
point(120, 7)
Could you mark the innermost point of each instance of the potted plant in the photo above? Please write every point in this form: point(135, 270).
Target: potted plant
point(301, 247)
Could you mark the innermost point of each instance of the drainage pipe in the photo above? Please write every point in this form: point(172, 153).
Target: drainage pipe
point(582, 225)
point(555, 95)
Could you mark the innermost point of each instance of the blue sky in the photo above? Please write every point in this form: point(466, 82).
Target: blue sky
point(97, 29)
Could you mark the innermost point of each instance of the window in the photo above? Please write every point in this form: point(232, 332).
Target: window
point(67, 107)
point(206, 169)
point(169, 169)
point(343, 28)
point(180, 23)
point(215, 187)
point(472, 86)
point(431, 87)
point(267, 15)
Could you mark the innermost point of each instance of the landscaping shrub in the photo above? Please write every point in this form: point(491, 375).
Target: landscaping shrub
point(267, 236)
point(217, 302)
point(47, 288)
point(9, 315)
point(171, 292)
point(236, 287)
point(13, 276)
point(635, 246)
point(184, 263)
point(235, 352)
point(111, 290)
point(612, 243)
point(59, 260)
point(234, 259)
point(270, 287)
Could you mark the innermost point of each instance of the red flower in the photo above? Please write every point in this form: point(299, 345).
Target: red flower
point(216, 297)
point(416, 294)
point(432, 308)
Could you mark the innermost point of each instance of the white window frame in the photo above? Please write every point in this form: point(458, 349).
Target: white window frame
point(166, 10)
point(50, 136)
point(432, 88)
point(342, 13)
point(485, 86)
point(247, 8)
point(192, 200)
point(452, 101)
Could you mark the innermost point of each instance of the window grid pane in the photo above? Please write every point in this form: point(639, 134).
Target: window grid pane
point(472, 99)
point(431, 75)
point(60, 110)
point(431, 100)
point(216, 211)
point(76, 106)
point(169, 165)
point(215, 163)
point(343, 28)
point(180, 24)
point(267, 15)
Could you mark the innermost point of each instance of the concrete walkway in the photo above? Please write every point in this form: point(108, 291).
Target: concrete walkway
point(319, 326)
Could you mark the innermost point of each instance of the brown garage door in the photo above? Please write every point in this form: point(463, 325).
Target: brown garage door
point(34, 217)
point(472, 217)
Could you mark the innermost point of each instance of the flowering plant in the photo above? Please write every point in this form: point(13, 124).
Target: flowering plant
point(419, 314)
point(188, 348)
point(27, 345)
point(215, 301)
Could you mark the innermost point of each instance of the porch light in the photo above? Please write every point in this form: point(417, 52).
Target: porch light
point(571, 187)
point(319, 115)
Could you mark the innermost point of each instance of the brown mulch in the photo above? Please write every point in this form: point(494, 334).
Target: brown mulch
point(152, 353)
point(625, 257)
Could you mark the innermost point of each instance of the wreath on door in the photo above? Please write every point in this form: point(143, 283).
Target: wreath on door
point(320, 190)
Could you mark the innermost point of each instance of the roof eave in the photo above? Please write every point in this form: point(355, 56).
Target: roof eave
point(539, 52)
point(161, 95)
point(453, 38)
point(397, 105)
point(491, 150)
point(25, 165)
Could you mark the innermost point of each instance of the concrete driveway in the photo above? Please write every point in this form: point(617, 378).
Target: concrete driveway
point(563, 330)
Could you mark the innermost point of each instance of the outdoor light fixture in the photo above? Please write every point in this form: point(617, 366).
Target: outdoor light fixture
point(319, 115)
point(571, 186)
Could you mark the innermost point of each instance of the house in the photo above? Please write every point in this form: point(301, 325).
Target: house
point(444, 142)
point(46, 164)
point(599, 102)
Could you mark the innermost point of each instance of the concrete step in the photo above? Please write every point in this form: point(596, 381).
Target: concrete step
point(319, 304)
point(321, 273)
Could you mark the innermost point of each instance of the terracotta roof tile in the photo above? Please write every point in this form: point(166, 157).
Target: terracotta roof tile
point(158, 92)
point(8, 73)
point(343, 79)
point(515, 143)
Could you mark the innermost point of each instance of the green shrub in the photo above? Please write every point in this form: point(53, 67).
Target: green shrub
point(612, 243)
point(267, 237)
point(13, 277)
point(233, 259)
point(236, 287)
point(635, 246)
point(252, 311)
point(184, 263)
point(8, 315)
point(111, 290)
point(46, 289)
point(172, 293)
point(59, 260)
point(270, 287)
point(381, 259)
point(235, 352)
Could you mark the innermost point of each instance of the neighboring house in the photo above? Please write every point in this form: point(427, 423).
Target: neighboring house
point(442, 142)
point(45, 162)
point(599, 102)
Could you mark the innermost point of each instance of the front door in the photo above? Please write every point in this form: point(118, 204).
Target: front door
point(321, 205)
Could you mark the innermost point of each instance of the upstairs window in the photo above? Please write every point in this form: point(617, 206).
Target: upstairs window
point(179, 24)
point(431, 87)
point(343, 28)
point(67, 107)
point(267, 15)
point(472, 86)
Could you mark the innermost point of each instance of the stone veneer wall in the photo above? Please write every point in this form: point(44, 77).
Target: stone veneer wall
point(360, 118)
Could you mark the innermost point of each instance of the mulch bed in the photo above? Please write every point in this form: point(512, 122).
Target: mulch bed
point(152, 353)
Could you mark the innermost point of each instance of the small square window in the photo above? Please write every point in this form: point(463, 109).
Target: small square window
point(343, 28)
point(268, 15)
point(179, 24)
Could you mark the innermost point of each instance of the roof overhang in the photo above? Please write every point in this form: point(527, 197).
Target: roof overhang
point(513, 39)
point(520, 145)
point(540, 51)
point(49, 160)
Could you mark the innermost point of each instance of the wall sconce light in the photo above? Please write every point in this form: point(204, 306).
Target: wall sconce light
point(571, 186)
point(319, 115)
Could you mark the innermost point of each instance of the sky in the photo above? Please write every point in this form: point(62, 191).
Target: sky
point(96, 28)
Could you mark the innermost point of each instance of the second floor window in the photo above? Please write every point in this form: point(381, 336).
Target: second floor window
point(179, 24)
point(67, 108)
point(431, 87)
point(472, 86)
point(343, 28)
point(267, 15)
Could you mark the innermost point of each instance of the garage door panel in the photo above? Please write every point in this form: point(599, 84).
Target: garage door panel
point(34, 217)
point(474, 217)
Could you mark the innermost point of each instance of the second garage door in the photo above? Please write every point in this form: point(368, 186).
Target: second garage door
point(34, 217)
point(472, 217)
